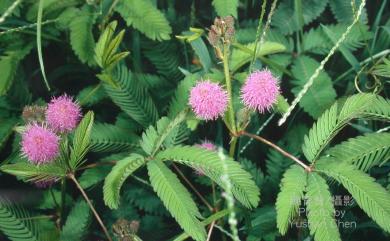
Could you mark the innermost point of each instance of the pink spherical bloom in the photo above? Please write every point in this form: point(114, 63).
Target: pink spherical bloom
point(260, 90)
point(208, 100)
point(63, 114)
point(39, 144)
point(208, 145)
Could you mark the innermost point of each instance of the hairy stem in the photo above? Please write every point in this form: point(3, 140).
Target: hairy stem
point(258, 33)
point(310, 82)
point(276, 147)
point(233, 144)
point(231, 116)
point(72, 177)
point(229, 87)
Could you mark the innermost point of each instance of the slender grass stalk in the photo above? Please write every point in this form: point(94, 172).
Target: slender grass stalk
point(322, 65)
point(259, 26)
point(39, 42)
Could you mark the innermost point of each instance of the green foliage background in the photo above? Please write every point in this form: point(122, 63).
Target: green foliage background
point(130, 65)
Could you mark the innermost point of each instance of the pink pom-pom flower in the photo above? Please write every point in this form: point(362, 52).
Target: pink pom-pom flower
point(208, 145)
point(208, 100)
point(39, 144)
point(260, 90)
point(63, 114)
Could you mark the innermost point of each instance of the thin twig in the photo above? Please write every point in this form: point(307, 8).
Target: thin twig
point(193, 188)
point(276, 147)
point(72, 177)
point(210, 231)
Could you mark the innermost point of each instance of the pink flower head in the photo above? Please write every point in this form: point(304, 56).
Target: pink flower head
point(208, 100)
point(63, 114)
point(208, 145)
point(39, 144)
point(45, 183)
point(260, 90)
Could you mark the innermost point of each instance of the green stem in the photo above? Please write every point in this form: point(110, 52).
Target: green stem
point(229, 87)
point(231, 116)
point(258, 32)
point(233, 144)
point(39, 42)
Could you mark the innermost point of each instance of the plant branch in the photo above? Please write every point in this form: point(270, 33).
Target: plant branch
point(231, 117)
point(210, 231)
point(193, 188)
point(229, 87)
point(72, 177)
point(276, 147)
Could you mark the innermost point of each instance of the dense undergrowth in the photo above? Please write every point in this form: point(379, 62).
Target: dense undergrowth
point(194, 119)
